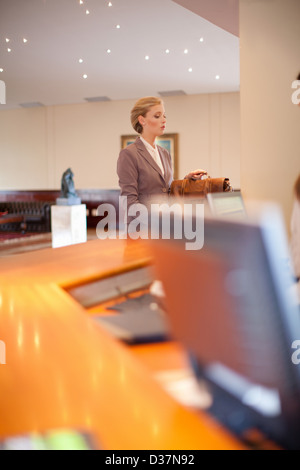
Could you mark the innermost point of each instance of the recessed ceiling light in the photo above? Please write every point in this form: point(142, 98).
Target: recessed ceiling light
point(25, 40)
point(108, 51)
point(190, 69)
point(85, 76)
point(1, 70)
point(87, 12)
point(147, 57)
point(80, 2)
point(8, 49)
point(186, 51)
point(201, 39)
point(217, 77)
point(7, 40)
point(32, 105)
point(97, 99)
point(80, 61)
point(172, 93)
point(167, 51)
point(118, 26)
point(109, 4)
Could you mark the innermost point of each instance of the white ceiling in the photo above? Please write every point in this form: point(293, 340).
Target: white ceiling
point(46, 68)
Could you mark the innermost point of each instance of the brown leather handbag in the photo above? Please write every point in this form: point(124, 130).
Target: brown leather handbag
point(190, 187)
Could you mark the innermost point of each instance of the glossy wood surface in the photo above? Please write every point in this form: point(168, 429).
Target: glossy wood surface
point(73, 265)
point(10, 218)
point(62, 370)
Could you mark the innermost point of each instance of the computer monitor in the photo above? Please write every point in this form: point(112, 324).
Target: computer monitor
point(227, 204)
point(231, 306)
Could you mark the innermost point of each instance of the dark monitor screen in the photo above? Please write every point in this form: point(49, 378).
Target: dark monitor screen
point(232, 307)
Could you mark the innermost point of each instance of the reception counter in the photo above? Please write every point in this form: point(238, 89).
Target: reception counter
point(63, 371)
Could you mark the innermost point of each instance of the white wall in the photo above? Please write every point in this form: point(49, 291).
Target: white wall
point(37, 145)
point(23, 152)
point(270, 123)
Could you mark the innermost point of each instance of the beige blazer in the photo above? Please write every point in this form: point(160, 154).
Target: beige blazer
point(139, 175)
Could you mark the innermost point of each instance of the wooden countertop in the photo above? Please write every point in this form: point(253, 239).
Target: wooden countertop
point(62, 370)
point(74, 264)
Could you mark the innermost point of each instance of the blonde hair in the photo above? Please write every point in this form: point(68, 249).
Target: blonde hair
point(297, 188)
point(141, 108)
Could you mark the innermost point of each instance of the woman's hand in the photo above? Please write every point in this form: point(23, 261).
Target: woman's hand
point(196, 174)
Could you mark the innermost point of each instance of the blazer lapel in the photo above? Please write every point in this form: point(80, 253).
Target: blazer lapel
point(146, 155)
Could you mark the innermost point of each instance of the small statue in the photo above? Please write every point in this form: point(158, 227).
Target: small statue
point(68, 195)
point(67, 184)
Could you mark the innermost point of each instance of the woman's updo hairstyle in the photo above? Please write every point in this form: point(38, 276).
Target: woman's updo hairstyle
point(141, 108)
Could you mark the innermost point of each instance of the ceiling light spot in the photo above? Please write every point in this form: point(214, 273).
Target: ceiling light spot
point(80, 2)
point(85, 76)
point(201, 39)
point(190, 69)
point(87, 12)
point(186, 51)
point(25, 40)
point(118, 26)
point(167, 51)
point(1, 70)
point(147, 57)
point(217, 77)
point(109, 4)
point(7, 40)
point(8, 49)
point(108, 51)
point(80, 61)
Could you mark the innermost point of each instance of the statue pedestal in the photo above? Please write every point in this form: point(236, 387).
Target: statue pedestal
point(68, 224)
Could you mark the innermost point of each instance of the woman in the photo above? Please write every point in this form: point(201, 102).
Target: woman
point(144, 168)
point(295, 229)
